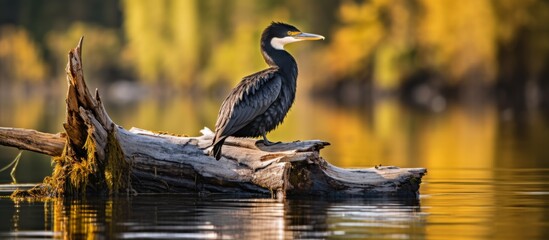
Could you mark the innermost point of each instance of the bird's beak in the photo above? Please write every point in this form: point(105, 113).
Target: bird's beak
point(308, 36)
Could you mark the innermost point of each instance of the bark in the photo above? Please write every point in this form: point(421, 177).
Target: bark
point(32, 140)
point(96, 156)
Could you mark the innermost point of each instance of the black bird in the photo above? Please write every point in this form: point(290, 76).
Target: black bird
point(259, 103)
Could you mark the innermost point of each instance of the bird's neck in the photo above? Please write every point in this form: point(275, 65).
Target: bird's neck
point(281, 59)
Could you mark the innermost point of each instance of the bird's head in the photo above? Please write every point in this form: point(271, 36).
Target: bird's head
point(279, 34)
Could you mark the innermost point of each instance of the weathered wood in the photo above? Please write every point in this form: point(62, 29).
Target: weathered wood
point(96, 156)
point(32, 140)
point(287, 168)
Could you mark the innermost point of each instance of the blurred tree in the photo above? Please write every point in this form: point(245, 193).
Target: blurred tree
point(354, 42)
point(42, 16)
point(162, 39)
point(374, 42)
point(465, 46)
point(235, 44)
point(20, 58)
point(523, 54)
point(459, 39)
point(102, 49)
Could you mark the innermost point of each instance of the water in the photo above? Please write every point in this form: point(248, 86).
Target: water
point(488, 177)
point(510, 205)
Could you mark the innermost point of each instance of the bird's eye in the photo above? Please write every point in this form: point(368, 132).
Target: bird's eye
point(292, 33)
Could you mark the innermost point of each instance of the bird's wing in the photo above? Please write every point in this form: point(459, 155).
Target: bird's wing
point(249, 99)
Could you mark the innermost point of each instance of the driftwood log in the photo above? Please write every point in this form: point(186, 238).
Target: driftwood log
point(96, 156)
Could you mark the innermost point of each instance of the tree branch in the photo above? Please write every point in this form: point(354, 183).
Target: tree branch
point(32, 140)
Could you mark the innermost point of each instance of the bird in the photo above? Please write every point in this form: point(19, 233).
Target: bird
point(260, 101)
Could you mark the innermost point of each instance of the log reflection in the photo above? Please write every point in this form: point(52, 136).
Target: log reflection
point(178, 216)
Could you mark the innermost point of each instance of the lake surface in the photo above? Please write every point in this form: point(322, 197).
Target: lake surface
point(511, 204)
point(488, 177)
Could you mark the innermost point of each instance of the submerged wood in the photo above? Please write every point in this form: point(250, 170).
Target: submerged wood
point(96, 156)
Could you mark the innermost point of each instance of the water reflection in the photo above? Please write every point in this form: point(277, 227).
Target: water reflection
point(487, 203)
point(464, 204)
point(178, 216)
point(488, 176)
point(386, 132)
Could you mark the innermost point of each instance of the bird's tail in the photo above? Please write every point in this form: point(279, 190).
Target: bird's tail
point(217, 148)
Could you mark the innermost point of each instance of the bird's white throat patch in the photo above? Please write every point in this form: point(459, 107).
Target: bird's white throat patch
point(278, 43)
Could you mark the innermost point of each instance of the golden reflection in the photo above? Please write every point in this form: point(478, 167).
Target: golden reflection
point(390, 133)
point(351, 140)
point(179, 115)
point(395, 135)
point(459, 146)
point(25, 112)
point(75, 219)
point(226, 218)
point(458, 149)
point(460, 139)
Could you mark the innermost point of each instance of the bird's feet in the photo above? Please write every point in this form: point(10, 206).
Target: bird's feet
point(269, 143)
point(266, 142)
